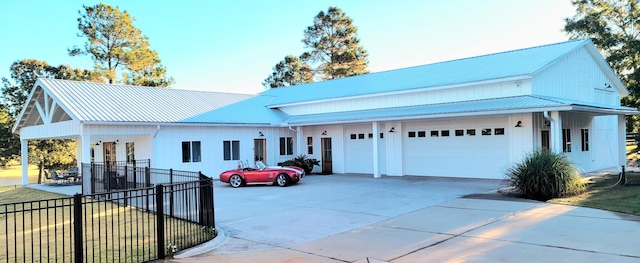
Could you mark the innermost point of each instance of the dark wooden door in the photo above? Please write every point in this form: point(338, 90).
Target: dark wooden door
point(327, 163)
point(544, 136)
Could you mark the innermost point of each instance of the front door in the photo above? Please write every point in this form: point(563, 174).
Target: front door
point(327, 163)
point(544, 136)
point(260, 150)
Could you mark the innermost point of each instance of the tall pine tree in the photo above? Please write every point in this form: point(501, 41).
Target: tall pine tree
point(118, 48)
point(334, 51)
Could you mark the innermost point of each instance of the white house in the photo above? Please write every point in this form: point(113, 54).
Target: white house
point(470, 117)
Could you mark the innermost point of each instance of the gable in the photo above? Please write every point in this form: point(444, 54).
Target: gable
point(41, 108)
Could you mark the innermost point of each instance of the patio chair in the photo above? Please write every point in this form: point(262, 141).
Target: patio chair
point(55, 176)
point(72, 173)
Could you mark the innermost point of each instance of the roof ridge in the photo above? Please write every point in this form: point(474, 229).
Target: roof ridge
point(141, 87)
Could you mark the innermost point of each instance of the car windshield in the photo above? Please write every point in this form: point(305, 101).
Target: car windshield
point(260, 165)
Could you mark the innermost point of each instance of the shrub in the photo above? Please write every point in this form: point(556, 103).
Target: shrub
point(544, 175)
point(303, 162)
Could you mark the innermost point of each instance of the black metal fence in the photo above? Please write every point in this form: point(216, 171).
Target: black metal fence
point(126, 225)
point(115, 176)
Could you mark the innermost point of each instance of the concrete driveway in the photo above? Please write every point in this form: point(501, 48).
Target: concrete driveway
point(355, 218)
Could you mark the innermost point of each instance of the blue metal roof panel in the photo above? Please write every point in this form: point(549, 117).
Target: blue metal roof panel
point(251, 111)
point(488, 67)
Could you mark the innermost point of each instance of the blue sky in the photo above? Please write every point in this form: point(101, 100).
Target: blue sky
point(231, 46)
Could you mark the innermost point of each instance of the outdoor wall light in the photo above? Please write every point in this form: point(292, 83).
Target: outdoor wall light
point(116, 142)
point(261, 134)
point(519, 124)
point(98, 143)
point(393, 129)
point(324, 133)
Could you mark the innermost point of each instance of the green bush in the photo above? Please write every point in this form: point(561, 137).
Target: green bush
point(303, 162)
point(544, 175)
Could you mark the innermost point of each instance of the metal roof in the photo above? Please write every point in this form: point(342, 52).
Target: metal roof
point(515, 63)
point(251, 111)
point(517, 104)
point(99, 102)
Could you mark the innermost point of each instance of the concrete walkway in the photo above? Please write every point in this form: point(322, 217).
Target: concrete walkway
point(344, 218)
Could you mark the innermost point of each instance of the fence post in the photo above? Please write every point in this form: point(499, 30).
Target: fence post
point(160, 220)
point(171, 190)
point(77, 228)
point(207, 215)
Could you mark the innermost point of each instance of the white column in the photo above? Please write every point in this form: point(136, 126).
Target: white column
point(84, 156)
point(24, 150)
point(301, 144)
point(622, 145)
point(556, 132)
point(376, 138)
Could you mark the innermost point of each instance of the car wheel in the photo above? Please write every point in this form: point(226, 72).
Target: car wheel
point(235, 181)
point(282, 180)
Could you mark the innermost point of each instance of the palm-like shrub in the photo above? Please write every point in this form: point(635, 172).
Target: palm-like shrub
point(303, 162)
point(544, 175)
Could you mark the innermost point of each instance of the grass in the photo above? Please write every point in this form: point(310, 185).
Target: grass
point(112, 232)
point(602, 194)
point(12, 175)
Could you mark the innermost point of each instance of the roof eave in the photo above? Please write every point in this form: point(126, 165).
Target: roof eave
point(441, 115)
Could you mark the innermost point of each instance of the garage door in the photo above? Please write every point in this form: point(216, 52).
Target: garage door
point(359, 149)
point(463, 148)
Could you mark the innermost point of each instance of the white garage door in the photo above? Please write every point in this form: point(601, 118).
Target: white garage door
point(358, 149)
point(476, 148)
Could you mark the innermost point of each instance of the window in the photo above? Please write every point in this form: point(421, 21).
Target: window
point(566, 140)
point(585, 139)
point(195, 152)
point(486, 131)
point(309, 145)
point(286, 145)
point(186, 152)
point(422, 134)
point(459, 132)
point(412, 134)
point(498, 131)
point(353, 136)
point(361, 136)
point(231, 150)
point(444, 133)
point(381, 135)
point(130, 152)
point(190, 151)
point(370, 135)
point(471, 132)
point(435, 134)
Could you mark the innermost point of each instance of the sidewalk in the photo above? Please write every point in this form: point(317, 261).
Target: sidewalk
point(475, 228)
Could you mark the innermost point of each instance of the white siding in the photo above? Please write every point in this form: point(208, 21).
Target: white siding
point(475, 92)
point(578, 77)
point(58, 130)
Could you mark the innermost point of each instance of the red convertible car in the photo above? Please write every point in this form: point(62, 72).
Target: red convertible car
point(262, 174)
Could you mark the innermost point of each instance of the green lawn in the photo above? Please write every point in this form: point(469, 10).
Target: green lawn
point(602, 194)
point(12, 175)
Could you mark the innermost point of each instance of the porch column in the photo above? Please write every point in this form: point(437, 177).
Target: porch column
point(24, 152)
point(555, 138)
point(84, 156)
point(622, 145)
point(300, 138)
point(376, 138)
